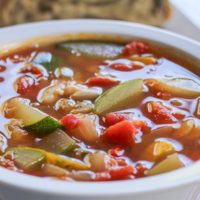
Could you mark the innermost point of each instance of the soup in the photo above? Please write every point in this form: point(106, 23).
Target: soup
point(94, 110)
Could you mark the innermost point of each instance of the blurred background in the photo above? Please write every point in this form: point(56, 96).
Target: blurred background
point(182, 16)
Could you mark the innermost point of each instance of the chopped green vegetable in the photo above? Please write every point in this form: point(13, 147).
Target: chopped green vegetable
point(123, 96)
point(93, 48)
point(27, 158)
point(179, 87)
point(58, 142)
point(33, 119)
point(47, 60)
point(65, 162)
point(170, 163)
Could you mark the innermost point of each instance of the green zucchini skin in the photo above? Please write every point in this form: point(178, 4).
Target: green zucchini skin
point(122, 96)
point(44, 126)
point(58, 142)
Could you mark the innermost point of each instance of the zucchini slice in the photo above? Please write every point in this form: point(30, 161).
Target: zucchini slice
point(123, 96)
point(170, 163)
point(92, 48)
point(65, 162)
point(33, 119)
point(58, 142)
point(27, 158)
point(179, 87)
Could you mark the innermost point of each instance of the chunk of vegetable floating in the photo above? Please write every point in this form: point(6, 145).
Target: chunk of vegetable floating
point(27, 158)
point(135, 47)
point(86, 130)
point(48, 61)
point(58, 142)
point(170, 163)
point(65, 162)
point(82, 175)
point(121, 172)
point(98, 161)
point(24, 84)
point(179, 87)
point(92, 48)
point(122, 133)
point(3, 143)
point(101, 81)
point(159, 113)
point(33, 119)
point(157, 150)
point(87, 94)
point(113, 118)
point(69, 121)
point(53, 170)
point(147, 60)
point(125, 95)
point(189, 130)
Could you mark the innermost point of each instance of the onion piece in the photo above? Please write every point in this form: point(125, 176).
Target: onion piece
point(98, 161)
point(87, 129)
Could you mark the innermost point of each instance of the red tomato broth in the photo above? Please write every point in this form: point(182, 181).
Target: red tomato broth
point(86, 68)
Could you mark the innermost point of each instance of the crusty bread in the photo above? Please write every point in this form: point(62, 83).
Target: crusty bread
point(153, 12)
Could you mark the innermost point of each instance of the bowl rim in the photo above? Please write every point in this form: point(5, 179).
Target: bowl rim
point(165, 181)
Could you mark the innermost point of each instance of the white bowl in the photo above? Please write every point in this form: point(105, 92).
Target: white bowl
point(182, 184)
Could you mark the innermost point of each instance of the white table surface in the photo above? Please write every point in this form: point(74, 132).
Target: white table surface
point(185, 18)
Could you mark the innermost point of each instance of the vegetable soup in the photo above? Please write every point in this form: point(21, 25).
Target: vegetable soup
point(94, 110)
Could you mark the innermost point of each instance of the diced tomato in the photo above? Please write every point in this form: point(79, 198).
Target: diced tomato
point(69, 121)
point(103, 176)
point(121, 172)
point(159, 113)
point(135, 47)
point(101, 81)
point(139, 124)
point(195, 156)
point(125, 68)
point(25, 84)
point(2, 68)
point(121, 133)
point(116, 151)
point(113, 118)
point(121, 162)
point(140, 169)
point(7, 163)
point(178, 115)
point(32, 69)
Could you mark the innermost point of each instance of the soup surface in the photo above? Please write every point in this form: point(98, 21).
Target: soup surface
point(93, 110)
